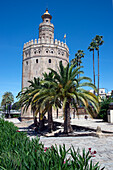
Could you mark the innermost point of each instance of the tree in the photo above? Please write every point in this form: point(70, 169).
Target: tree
point(98, 40)
point(104, 106)
point(16, 106)
point(70, 90)
point(7, 100)
point(26, 95)
point(45, 98)
point(78, 58)
point(48, 77)
point(92, 47)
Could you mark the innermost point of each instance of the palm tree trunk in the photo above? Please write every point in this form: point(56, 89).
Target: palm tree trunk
point(93, 69)
point(5, 107)
point(50, 120)
point(57, 113)
point(34, 117)
point(41, 122)
point(67, 125)
point(74, 114)
point(9, 110)
point(98, 71)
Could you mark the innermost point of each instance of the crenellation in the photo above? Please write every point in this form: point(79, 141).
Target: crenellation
point(39, 41)
point(32, 42)
point(59, 42)
point(56, 42)
point(62, 44)
point(27, 44)
point(35, 41)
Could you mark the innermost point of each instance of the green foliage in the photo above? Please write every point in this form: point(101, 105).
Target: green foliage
point(18, 152)
point(98, 40)
point(104, 105)
point(16, 106)
point(16, 149)
point(7, 98)
point(78, 58)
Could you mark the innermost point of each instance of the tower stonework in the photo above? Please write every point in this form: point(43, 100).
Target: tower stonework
point(41, 54)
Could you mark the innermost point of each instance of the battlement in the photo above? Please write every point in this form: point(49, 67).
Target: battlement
point(47, 41)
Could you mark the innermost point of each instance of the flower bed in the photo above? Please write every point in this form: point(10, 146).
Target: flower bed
point(18, 152)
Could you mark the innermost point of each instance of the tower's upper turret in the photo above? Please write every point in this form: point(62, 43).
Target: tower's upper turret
point(46, 29)
point(46, 16)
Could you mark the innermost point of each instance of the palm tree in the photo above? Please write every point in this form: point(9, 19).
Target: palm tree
point(98, 40)
point(77, 60)
point(70, 90)
point(26, 95)
point(92, 47)
point(46, 98)
point(7, 100)
point(48, 77)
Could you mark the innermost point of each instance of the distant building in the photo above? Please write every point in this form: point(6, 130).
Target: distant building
point(103, 93)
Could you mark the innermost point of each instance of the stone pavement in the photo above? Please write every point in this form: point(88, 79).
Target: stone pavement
point(103, 146)
point(90, 123)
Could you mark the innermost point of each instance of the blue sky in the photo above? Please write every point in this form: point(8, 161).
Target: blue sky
point(81, 20)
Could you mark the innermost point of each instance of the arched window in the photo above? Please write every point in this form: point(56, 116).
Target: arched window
point(36, 60)
point(49, 60)
point(26, 62)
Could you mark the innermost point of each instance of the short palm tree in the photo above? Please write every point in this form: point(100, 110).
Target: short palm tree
point(26, 95)
point(46, 98)
point(70, 91)
point(98, 40)
point(7, 100)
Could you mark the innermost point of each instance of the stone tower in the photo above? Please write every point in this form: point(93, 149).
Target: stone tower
point(41, 54)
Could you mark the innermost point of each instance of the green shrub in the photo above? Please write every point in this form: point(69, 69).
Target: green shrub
point(16, 106)
point(104, 105)
point(18, 152)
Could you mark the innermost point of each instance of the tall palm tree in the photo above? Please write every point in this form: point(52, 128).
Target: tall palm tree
point(70, 90)
point(92, 47)
point(98, 40)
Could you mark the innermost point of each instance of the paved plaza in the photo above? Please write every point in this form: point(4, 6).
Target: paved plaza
point(103, 145)
point(91, 124)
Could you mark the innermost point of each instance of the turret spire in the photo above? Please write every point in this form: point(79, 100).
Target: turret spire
point(46, 15)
